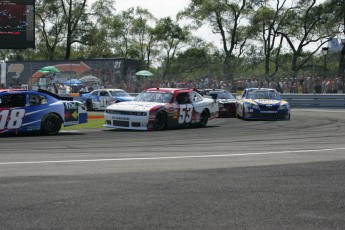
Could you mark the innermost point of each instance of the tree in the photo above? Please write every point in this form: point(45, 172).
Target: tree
point(170, 36)
point(62, 23)
point(141, 33)
point(50, 26)
point(265, 22)
point(307, 24)
point(225, 19)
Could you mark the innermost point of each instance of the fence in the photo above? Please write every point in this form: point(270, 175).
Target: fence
point(304, 100)
point(315, 100)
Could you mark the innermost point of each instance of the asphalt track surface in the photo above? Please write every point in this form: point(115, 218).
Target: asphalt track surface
point(233, 174)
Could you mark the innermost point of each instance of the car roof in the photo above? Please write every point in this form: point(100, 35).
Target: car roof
point(218, 91)
point(19, 91)
point(113, 89)
point(256, 89)
point(170, 90)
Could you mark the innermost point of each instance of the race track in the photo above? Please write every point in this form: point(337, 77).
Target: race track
point(233, 174)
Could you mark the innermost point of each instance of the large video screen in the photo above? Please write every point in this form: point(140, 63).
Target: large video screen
point(17, 24)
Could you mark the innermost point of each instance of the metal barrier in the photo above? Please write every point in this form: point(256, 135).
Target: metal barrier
point(303, 100)
point(315, 100)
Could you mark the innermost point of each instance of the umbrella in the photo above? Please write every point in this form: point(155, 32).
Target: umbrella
point(90, 79)
point(144, 73)
point(73, 82)
point(49, 69)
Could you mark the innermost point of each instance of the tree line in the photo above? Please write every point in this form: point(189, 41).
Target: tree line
point(270, 38)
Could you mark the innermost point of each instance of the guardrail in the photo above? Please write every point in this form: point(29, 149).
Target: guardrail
point(300, 100)
point(315, 100)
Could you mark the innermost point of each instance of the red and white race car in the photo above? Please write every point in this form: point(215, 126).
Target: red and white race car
point(161, 108)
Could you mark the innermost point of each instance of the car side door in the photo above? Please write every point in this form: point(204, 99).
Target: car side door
point(185, 108)
point(197, 102)
point(12, 111)
point(104, 99)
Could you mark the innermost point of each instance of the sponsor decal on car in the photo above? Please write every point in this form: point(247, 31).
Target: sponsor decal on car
point(120, 118)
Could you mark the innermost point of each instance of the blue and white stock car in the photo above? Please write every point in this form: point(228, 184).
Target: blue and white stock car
point(262, 103)
point(41, 111)
point(99, 99)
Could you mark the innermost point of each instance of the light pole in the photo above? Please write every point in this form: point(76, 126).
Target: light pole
point(3, 73)
point(324, 53)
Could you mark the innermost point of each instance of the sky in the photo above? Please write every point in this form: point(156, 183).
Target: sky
point(159, 8)
point(167, 8)
point(170, 8)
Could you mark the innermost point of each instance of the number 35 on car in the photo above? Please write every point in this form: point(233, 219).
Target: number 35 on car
point(42, 111)
point(161, 108)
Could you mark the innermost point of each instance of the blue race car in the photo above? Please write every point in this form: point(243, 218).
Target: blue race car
point(100, 99)
point(262, 103)
point(40, 111)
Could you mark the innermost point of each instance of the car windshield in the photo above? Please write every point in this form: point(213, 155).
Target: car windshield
point(119, 93)
point(263, 94)
point(163, 97)
point(221, 95)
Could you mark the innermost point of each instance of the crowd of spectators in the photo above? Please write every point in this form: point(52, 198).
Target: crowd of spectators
point(301, 84)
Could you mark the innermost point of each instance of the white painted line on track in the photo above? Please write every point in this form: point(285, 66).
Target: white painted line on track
point(171, 157)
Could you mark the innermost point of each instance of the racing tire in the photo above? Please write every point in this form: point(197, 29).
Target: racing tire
point(203, 118)
point(160, 120)
point(237, 115)
point(243, 114)
point(89, 106)
point(51, 124)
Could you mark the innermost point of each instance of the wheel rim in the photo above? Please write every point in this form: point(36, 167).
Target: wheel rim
point(89, 105)
point(51, 125)
point(160, 121)
point(203, 119)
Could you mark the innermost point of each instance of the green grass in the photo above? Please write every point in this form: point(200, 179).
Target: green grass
point(91, 124)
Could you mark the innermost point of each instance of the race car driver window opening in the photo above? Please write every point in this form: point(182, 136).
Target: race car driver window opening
point(182, 98)
point(12, 100)
point(104, 94)
point(37, 100)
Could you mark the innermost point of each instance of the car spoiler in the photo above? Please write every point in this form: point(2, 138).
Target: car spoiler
point(55, 95)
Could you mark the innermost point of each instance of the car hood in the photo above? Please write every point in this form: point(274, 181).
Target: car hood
point(124, 98)
point(226, 100)
point(266, 102)
point(135, 106)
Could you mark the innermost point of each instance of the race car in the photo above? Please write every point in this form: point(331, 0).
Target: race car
point(161, 108)
point(41, 111)
point(227, 102)
point(262, 103)
point(99, 99)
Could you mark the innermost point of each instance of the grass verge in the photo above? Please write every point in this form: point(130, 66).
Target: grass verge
point(91, 124)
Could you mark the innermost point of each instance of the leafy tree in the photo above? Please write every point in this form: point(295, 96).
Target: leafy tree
point(224, 17)
point(170, 36)
point(141, 32)
point(307, 24)
point(265, 22)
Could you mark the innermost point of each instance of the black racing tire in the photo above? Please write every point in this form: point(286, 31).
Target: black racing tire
point(203, 118)
point(237, 115)
point(160, 120)
point(51, 124)
point(88, 105)
point(243, 114)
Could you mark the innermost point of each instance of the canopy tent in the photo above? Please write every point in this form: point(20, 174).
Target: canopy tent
point(90, 79)
point(144, 73)
point(49, 69)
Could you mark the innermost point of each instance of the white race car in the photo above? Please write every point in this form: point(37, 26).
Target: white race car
point(161, 108)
